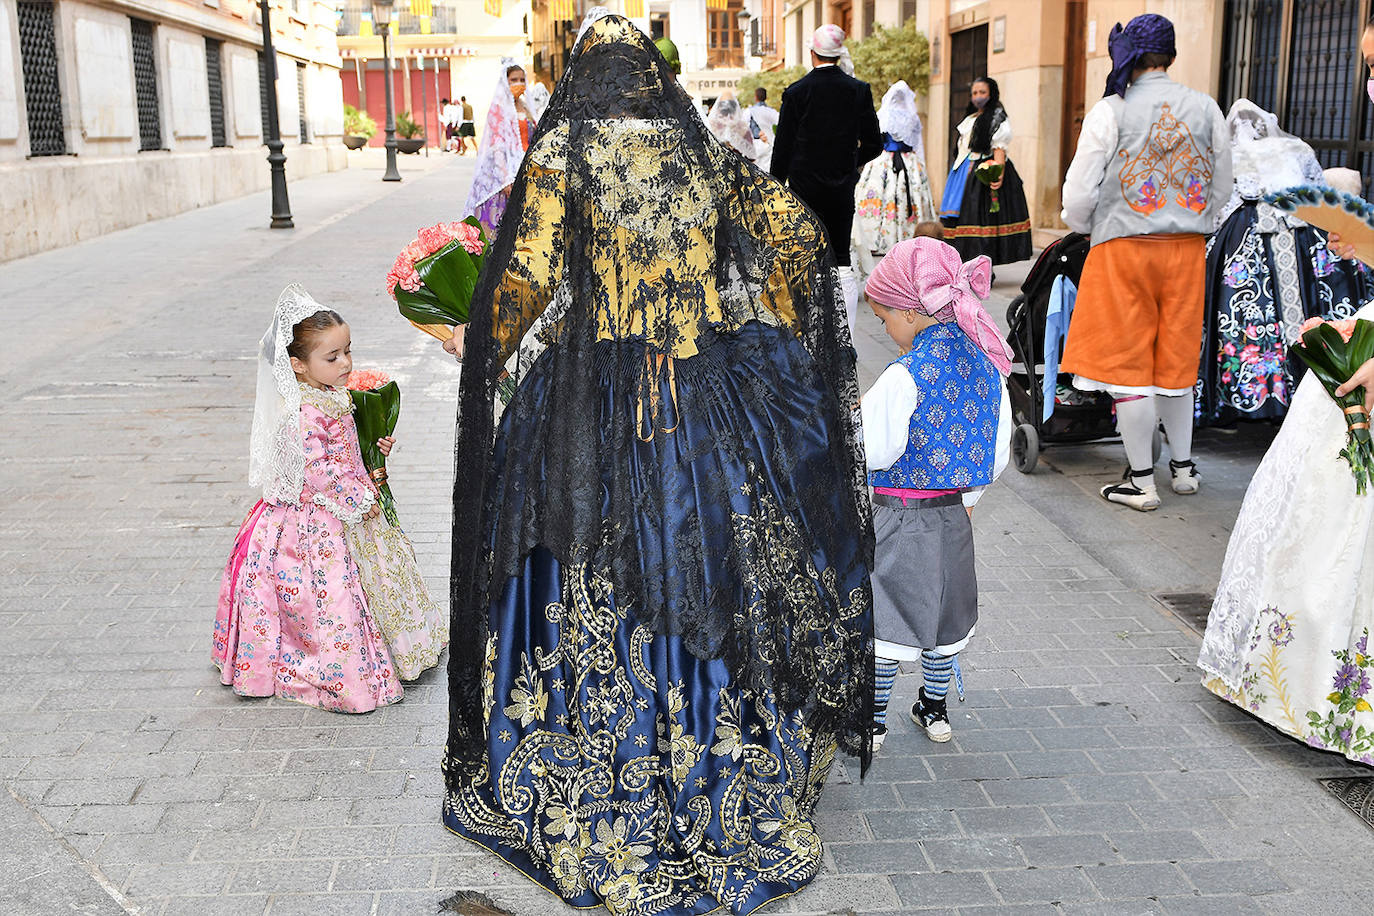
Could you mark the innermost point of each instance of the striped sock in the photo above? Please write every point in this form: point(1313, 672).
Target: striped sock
point(937, 670)
point(884, 674)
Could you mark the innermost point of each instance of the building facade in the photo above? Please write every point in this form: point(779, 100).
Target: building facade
point(454, 49)
point(113, 113)
point(1297, 58)
point(718, 41)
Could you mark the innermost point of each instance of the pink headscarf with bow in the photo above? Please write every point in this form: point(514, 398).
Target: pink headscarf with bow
point(926, 275)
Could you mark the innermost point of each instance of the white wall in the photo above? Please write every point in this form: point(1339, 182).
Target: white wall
point(105, 76)
point(288, 104)
point(242, 100)
point(181, 70)
point(10, 75)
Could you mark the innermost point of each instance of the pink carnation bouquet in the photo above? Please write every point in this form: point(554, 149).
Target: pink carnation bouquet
point(434, 276)
point(376, 408)
point(1334, 350)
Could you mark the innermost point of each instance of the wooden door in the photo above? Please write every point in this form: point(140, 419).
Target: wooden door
point(1075, 80)
point(968, 60)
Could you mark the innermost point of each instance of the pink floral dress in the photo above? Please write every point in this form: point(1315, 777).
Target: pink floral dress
point(293, 620)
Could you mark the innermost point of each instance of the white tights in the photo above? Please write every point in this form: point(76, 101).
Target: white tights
point(1136, 419)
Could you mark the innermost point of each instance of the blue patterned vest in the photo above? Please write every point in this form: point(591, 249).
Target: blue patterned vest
point(954, 427)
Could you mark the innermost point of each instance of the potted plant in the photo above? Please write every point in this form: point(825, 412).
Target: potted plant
point(358, 128)
point(408, 134)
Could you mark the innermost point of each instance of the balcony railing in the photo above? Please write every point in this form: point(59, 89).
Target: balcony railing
point(443, 22)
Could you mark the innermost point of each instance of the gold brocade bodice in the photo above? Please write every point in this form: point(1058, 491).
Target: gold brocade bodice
point(646, 215)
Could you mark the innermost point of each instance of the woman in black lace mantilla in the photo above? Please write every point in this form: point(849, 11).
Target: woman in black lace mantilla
point(661, 543)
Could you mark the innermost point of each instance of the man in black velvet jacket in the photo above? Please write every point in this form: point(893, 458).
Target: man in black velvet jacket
point(827, 131)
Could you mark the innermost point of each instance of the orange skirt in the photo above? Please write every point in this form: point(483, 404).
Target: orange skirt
point(1137, 323)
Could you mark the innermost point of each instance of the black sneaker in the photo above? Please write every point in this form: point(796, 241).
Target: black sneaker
point(932, 716)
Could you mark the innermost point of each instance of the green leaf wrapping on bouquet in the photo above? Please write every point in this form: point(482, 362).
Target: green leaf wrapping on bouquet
point(1333, 360)
point(375, 414)
point(448, 278)
point(989, 172)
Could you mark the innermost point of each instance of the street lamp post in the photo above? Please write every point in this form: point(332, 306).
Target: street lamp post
point(745, 18)
point(381, 17)
point(281, 205)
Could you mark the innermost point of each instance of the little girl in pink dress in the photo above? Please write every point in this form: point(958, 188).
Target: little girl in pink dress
point(293, 619)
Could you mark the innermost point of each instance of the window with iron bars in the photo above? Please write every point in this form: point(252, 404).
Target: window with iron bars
point(1300, 60)
point(214, 78)
point(42, 88)
point(264, 81)
point(300, 101)
point(145, 85)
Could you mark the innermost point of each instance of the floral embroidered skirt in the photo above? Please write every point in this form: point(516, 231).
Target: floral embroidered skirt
point(1264, 278)
point(293, 620)
point(892, 196)
point(623, 771)
point(1288, 635)
point(621, 768)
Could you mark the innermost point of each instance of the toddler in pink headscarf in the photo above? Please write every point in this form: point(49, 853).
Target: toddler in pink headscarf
point(937, 430)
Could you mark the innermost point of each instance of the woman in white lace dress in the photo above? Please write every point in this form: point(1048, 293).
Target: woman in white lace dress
point(1288, 635)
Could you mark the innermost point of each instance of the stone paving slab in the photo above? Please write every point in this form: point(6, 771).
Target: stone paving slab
point(1089, 772)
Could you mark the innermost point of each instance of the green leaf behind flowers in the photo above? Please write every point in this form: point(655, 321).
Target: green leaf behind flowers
point(375, 413)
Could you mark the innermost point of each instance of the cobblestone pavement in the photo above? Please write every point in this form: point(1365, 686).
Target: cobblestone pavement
point(1088, 772)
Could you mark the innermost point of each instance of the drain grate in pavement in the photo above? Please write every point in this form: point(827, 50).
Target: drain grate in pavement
point(1356, 793)
point(1190, 607)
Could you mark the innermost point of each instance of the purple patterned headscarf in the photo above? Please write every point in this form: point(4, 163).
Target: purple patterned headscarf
point(1147, 34)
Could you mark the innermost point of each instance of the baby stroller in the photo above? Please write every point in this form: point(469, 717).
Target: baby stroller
point(1079, 416)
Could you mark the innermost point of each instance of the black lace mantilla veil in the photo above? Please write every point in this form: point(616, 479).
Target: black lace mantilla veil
point(632, 243)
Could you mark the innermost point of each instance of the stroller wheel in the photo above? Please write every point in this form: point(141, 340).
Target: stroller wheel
point(1025, 447)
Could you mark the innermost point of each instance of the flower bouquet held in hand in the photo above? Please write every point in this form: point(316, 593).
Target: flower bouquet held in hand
point(376, 408)
point(434, 276)
point(1334, 350)
point(989, 173)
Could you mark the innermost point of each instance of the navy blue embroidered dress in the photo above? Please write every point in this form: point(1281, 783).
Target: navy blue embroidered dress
point(1266, 275)
point(662, 612)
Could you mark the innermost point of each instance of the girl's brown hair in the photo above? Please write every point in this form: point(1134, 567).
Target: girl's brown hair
point(929, 229)
point(305, 330)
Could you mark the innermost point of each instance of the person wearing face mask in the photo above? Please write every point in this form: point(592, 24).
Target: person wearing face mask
point(510, 123)
point(1151, 173)
point(990, 219)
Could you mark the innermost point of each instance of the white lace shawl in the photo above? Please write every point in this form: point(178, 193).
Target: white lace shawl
point(501, 149)
point(1265, 158)
point(276, 456)
point(730, 126)
point(1275, 500)
point(898, 119)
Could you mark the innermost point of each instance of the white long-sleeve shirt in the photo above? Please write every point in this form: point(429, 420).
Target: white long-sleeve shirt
point(886, 411)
